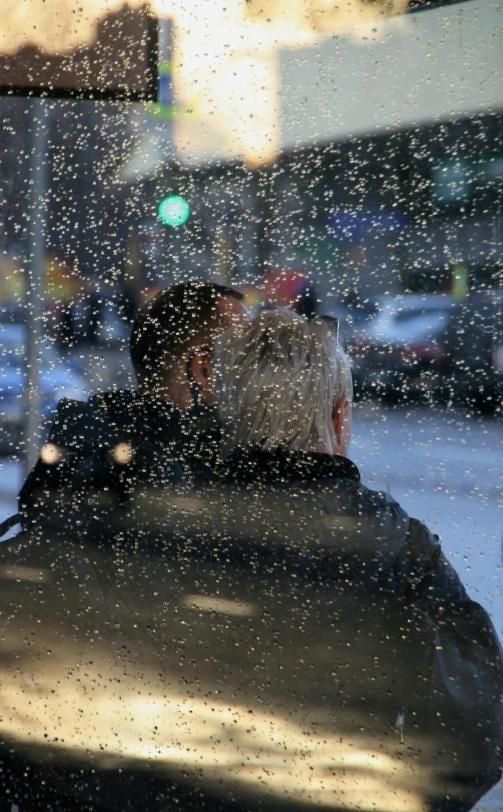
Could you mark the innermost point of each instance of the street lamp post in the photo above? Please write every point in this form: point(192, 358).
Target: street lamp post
point(35, 277)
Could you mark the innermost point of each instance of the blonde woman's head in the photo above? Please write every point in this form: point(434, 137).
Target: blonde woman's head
point(283, 381)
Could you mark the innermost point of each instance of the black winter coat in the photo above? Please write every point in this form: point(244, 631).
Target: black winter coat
point(164, 446)
point(282, 638)
point(391, 588)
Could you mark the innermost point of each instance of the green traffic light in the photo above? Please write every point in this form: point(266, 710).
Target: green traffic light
point(174, 210)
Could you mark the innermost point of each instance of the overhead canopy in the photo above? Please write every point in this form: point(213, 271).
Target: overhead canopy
point(252, 79)
point(416, 70)
point(270, 75)
point(82, 48)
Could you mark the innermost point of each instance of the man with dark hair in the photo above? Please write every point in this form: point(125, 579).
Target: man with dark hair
point(99, 478)
point(172, 336)
point(162, 433)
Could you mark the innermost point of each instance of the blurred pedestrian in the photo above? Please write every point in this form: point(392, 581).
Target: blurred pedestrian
point(290, 289)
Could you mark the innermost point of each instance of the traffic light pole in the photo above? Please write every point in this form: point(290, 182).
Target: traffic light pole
point(35, 279)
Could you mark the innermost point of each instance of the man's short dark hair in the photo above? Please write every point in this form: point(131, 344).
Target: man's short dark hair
point(170, 321)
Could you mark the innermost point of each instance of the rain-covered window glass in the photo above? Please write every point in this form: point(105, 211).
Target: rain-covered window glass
point(251, 398)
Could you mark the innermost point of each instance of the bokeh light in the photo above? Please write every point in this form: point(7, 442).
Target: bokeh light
point(174, 210)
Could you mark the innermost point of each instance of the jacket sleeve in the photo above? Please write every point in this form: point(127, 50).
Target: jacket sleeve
point(428, 581)
point(423, 572)
point(467, 644)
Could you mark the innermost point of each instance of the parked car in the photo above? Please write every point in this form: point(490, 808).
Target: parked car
point(403, 349)
point(474, 343)
point(57, 376)
point(433, 344)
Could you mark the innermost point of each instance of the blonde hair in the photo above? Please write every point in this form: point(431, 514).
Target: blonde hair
point(276, 380)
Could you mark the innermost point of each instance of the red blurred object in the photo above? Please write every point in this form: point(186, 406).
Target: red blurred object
point(291, 289)
point(433, 350)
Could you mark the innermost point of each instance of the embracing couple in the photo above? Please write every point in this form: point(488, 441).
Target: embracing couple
point(211, 380)
point(307, 599)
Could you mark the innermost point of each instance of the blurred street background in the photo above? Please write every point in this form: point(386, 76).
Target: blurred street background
point(348, 163)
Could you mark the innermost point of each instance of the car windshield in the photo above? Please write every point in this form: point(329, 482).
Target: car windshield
point(403, 316)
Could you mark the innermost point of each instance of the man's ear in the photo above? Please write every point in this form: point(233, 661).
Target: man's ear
point(339, 413)
point(202, 371)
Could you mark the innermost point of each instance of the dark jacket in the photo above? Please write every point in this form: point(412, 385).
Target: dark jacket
point(296, 641)
point(166, 445)
point(392, 589)
point(336, 519)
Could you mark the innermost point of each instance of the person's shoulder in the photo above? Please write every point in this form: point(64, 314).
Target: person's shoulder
point(112, 397)
point(377, 498)
point(114, 401)
point(102, 401)
point(340, 476)
point(422, 545)
point(69, 420)
point(83, 422)
point(282, 468)
point(70, 406)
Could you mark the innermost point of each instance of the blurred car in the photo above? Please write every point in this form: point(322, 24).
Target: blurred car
point(474, 345)
point(360, 316)
point(57, 379)
point(403, 351)
point(433, 344)
point(101, 319)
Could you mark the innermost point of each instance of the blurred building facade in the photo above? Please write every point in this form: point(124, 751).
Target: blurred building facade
point(386, 171)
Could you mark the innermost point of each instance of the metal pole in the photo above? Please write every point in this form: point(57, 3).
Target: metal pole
point(35, 279)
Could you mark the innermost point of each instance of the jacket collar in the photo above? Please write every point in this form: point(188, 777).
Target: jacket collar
point(149, 416)
point(279, 466)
